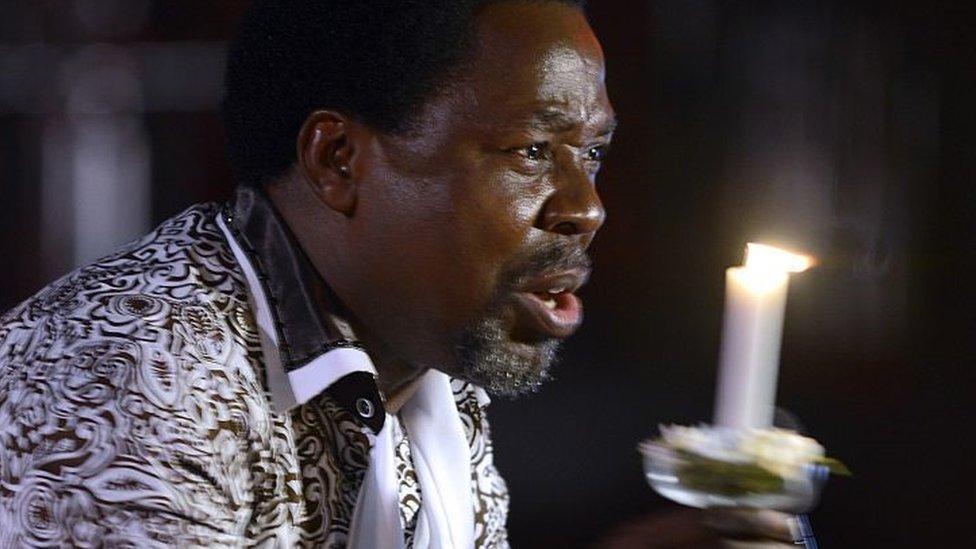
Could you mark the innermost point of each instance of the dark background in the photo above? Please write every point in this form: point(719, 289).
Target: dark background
point(842, 129)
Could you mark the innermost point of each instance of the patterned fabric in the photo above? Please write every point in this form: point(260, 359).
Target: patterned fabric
point(409, 486)
point(134, 412)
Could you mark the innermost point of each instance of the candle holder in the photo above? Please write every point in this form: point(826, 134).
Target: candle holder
point(740, 462)
point(708, 467)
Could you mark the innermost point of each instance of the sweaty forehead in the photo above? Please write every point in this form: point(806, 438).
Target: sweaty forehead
point(531, 53)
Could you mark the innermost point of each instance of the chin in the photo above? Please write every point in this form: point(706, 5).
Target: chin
point(489, 358)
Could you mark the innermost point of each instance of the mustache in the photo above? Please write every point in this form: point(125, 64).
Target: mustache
point(549, 257)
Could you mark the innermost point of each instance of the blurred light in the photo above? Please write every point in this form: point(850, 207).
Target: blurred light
point(767, 268)
point(771, 259)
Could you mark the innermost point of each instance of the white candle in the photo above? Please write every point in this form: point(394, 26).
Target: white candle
point(755, 301)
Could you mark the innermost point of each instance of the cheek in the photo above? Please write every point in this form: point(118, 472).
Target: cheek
point(447, 240)
point(491, 220)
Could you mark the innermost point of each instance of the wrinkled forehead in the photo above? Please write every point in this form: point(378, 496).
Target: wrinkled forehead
point(528, 53)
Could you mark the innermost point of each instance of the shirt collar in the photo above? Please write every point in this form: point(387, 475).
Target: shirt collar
point(308, 346)
point(305, 311)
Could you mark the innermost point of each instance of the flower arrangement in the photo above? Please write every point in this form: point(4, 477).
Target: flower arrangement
point(740, 462)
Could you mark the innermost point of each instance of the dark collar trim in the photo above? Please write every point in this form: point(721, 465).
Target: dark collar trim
point(358, 394)
point(289, 358)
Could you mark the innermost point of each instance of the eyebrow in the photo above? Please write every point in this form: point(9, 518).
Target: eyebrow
point(556, 121)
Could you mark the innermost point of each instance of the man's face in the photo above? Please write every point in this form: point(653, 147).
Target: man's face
point(471, 230)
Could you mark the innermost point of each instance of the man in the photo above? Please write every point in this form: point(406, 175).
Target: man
point(307, 364)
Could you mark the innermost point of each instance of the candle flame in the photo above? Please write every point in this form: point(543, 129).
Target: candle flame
point(762, 257)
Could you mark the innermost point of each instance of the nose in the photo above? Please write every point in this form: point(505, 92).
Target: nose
point(574, 209)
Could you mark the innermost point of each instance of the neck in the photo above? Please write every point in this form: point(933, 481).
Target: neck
point(396, 379)
point(402, 388)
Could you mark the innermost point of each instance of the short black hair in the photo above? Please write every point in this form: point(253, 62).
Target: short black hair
point(375, 60)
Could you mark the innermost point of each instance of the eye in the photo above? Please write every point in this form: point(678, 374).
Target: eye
point(597, 153)
point(535, 151)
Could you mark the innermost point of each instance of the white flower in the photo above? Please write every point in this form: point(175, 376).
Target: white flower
point(779, 451)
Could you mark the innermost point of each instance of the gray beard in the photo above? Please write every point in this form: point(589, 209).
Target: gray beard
point(487, 359)
point(486, 355)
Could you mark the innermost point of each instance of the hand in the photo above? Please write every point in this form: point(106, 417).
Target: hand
point(686, 528)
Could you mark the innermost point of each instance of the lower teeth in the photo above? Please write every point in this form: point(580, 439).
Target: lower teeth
point(550, 303)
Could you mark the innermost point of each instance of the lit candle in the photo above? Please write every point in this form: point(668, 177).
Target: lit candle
point(755, 301)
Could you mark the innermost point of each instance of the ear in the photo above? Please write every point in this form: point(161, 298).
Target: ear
point(325, 154)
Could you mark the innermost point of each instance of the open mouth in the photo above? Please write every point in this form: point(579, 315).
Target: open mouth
point(548, 306)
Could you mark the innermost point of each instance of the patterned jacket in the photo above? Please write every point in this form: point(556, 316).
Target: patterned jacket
point(135, 408)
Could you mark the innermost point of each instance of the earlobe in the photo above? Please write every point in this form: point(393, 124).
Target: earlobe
point(325, 153)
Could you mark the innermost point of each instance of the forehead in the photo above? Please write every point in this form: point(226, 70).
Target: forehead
point(529, 56)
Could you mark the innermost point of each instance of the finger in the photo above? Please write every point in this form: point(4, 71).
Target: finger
point(751, 524)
